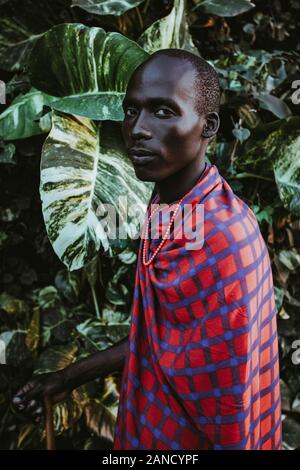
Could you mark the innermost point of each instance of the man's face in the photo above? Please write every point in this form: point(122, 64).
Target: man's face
point(160, 117)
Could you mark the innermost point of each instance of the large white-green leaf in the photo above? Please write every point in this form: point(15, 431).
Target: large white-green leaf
point(106, 7)
point(22, 118)
point(172, 31)
point(83, 167)
point(88, 67)
point(225, 7)
point(287, 173)
point(98, 106)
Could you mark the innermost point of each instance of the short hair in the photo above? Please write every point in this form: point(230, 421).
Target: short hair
point(207, 85)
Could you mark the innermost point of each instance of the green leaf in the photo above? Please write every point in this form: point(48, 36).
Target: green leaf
point(279, 294)
point(7, 154)
point(263, 214)
point(21, 24)
point(84, 167)
point(99, 335)
point(172, 31)
point(16, 352)
point(287, 172)
point(48, 297)
point(55, 358)
point(127, 256)
point(225, 7)
point(68, 284)
point(273, 104)
point(21, 118)
point(291, 434)
point(57, 326)
point(97, 106)
point(101, 414)
point(274, 80)
point(106, 7)
point(94, 332)
point(33, 333)
point(117, 292)
point(65, 415)
point(290, 259)
point(27, 430)
point(87, 67)
point(274, 148)
point(16, 42)
point(13, 306)
point(241, 134)
point(113, 316)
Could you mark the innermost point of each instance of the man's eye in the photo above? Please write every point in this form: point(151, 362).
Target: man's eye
point(167, 112)
point(126, 111)
point(129, 112)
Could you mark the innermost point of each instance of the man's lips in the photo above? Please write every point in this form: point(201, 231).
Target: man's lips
point(141, 156)
point(142, 159)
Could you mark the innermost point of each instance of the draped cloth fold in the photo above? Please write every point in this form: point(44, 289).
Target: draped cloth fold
point(202, 370)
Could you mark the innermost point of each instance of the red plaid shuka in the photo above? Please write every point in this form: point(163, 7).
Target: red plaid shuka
point(202, 367)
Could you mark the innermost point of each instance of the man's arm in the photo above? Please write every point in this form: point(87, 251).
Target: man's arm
point(58, 385)
point(100, 363)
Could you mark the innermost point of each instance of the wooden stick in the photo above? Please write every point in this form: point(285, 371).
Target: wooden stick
point(50, 437)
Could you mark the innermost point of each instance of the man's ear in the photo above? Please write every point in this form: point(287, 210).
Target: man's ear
point(212, 125)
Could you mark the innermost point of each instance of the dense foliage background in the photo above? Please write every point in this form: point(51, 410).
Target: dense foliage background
point(65, 75)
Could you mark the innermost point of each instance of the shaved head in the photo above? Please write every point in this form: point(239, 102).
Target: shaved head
point(206, 84)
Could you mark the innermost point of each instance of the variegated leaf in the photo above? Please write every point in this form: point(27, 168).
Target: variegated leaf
point(55, 358)
point(21, 118)
point(106, 7)
point(98, 106)
point(101, 413)
point(225, 7)
point(88, 67)
point(172, 31)
point(84, 167)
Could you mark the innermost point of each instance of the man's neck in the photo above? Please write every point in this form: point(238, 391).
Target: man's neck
point(177, 185)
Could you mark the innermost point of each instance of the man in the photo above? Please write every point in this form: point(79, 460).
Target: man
point(201, 364)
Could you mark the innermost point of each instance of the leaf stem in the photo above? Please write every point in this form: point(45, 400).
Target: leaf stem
point(251, 175)
point(139, 17)
point(98, 314)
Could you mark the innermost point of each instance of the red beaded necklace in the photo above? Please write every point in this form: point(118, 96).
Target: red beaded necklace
point(146, 245)
point(145, 248)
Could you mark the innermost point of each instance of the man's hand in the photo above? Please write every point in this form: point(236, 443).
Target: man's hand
point(29, 398)
point(57, 385)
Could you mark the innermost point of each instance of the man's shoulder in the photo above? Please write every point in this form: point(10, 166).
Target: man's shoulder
point(229, 220)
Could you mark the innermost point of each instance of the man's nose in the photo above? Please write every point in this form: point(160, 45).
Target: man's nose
point(140, 127)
